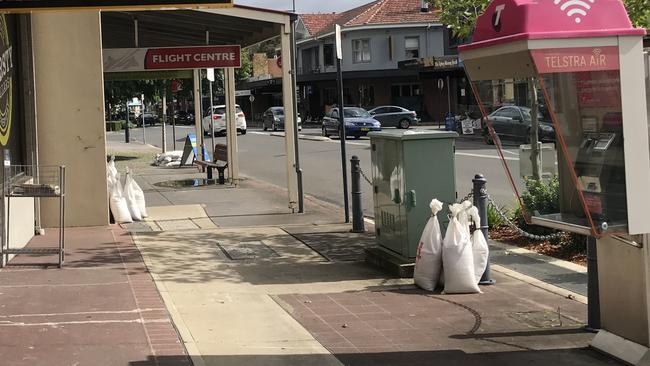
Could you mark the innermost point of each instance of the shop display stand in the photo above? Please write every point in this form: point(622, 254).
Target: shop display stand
point(38, 182)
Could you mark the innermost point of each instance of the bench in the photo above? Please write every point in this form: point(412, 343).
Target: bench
point(220, 162)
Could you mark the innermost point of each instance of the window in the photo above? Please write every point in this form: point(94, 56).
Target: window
point(360, 50)
point(412, 47)
point(328, 53)
point(511, 113)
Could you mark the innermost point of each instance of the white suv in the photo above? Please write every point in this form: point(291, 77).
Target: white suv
point(219, 120)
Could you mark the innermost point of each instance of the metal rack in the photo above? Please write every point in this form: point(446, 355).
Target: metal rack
point(39, 182)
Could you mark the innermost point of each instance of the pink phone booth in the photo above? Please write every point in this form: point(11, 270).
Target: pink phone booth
point(585, 61)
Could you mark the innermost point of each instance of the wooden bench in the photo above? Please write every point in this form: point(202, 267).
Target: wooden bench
point(220, 162)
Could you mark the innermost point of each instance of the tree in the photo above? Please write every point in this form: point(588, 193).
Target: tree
point(460, 15)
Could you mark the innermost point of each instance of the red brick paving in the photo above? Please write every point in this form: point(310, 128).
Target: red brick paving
point(102, 308)
point(412, 327)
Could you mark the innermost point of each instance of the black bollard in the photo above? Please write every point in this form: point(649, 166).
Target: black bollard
point(481, 202)
point(357, 209)
point(127, 134)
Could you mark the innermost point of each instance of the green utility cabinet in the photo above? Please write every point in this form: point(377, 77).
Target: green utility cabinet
point(409, 169)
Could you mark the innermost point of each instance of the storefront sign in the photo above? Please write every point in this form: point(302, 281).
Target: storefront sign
point(30, 5)
point(171, 58)
point(549, 61)
point(431, 63)
point(6, 82)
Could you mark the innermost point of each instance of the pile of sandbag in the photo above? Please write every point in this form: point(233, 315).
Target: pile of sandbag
point(456, 262)
point(169, 159)
point(127, 204)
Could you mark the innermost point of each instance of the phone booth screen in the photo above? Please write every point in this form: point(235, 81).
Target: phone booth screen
point(580, 123)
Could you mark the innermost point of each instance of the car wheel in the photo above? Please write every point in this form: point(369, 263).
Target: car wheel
point(488, 138)
point(404, 124)
point(243, 132)
point(264, 127)
point(527, 137)
point(356, 137)
point(275, 128)
point(325, 134)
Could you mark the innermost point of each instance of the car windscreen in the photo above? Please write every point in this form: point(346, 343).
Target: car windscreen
point(221, 110)
point(356, 113)
point(278, 112)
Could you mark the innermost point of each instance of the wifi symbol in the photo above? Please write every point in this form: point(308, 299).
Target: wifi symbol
point(575, 7)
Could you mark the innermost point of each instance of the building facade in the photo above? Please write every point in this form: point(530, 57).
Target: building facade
point(385, 46)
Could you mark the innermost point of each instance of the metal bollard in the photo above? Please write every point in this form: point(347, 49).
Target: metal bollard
point(357, 209)
point(127, 134)
point(481, 202)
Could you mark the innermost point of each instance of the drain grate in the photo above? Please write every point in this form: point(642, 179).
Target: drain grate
point(247, 250)
point(545, 319)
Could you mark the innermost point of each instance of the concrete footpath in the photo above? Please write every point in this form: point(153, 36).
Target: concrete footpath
point(246, 282)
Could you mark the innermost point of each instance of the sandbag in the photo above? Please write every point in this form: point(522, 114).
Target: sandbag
point(480, 249)
point(134, 195)
point(428, 262)
point(117, 202)
point(457, 257)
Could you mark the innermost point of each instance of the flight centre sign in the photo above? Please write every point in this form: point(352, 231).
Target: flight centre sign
point(17, 6)
point(171, 58)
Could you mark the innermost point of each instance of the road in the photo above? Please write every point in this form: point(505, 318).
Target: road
point(262, 156)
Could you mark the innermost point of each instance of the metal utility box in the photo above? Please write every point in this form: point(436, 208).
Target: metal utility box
point(409, 169)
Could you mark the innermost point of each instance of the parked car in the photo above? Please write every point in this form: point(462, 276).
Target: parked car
point(150, 119)
point(273, 118)
point(358, 122)
point(514, 122)
point(219, 120)
point(394, 116)
point(184, 117)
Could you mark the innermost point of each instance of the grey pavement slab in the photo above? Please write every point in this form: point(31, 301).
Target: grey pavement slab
point(540, 267)
point(338, 246)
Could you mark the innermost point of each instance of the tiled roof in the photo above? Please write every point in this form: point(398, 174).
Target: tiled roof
point(374, 13)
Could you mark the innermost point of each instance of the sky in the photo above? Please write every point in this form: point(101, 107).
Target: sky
point(306, 6)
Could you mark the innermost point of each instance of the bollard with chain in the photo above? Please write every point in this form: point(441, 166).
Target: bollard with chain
point(481, 202)
point(357, 209)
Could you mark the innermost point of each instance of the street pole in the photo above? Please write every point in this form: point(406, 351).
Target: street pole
point(142, 110)
point(301, 198)
point(127, 134)
point(535, 155)
point(173, 120)
point(164, 118)
point(211, 114)
point(344, 167)
point(357, 202)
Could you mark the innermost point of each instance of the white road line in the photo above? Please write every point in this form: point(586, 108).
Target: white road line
point(485, 156)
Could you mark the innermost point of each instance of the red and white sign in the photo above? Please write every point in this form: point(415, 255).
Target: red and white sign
point(171, 58)
point(557, 60)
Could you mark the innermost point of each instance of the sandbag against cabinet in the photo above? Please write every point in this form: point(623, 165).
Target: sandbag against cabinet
point(428, 262)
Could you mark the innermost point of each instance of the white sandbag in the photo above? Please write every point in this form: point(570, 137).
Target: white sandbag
point(132, 191)
point(117, 203)
point(111, 170)
point(463, 215)
point(480, 248)
point(131, 202)
point(428, 262)
point(457, 257)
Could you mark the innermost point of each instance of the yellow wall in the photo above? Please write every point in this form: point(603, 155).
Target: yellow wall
point(70, 112)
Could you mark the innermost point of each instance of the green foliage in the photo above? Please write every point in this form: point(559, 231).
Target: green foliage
point(460, 15)
point(540, 198)
point(494, 219)
point(639, 12)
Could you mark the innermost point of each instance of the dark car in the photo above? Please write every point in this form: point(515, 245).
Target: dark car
point(184, 117)
point(394, 116)
point(358, 122)
point(273, 118)
point(150, 119)
point(514, 122)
